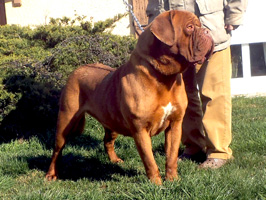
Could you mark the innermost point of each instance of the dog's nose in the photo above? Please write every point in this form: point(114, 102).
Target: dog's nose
point(207, 31)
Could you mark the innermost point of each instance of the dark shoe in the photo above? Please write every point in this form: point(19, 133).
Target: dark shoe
point(198, 157)
point(213, 163)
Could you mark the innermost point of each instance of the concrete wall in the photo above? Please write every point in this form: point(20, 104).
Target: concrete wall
point(36, 12)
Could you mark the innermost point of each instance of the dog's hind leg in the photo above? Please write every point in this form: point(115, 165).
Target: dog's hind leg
point(79, 125)
point(70, 121)
point(109, 140)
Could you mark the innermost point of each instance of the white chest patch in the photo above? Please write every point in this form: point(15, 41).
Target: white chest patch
point(168, 110)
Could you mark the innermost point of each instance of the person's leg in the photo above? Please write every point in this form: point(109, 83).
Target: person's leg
point(192, 127)
point(214, 83)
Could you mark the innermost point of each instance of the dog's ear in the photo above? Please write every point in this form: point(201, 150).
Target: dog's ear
point(162, 28)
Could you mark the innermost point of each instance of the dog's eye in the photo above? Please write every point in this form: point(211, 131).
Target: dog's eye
point(190, 28)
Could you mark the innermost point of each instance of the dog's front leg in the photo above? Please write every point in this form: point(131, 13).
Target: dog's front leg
point(172, 142)
point(144, 146)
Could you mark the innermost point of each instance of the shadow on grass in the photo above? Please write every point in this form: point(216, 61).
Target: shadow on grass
point(160, 149)
point(75, 167)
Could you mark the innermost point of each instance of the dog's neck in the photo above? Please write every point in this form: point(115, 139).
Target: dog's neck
point(151, 69)
point(161, 59)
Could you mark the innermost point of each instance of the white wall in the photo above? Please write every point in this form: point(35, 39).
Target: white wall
point(254, 27)
point(35, 12)
point(253, 30)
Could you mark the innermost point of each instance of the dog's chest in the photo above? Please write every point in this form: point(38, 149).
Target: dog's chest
point(167, 111)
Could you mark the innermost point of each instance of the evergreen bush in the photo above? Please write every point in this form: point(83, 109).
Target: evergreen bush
point(34, 66)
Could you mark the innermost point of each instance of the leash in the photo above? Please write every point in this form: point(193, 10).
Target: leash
point(129, 8)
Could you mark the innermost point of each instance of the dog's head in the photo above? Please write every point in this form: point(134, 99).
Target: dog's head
point(175, 40)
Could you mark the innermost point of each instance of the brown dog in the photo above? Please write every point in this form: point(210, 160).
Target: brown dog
point(141, 98)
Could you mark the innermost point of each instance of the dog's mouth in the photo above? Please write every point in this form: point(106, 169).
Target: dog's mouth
point(201, 61)
point(208, 54)
point(203, 47)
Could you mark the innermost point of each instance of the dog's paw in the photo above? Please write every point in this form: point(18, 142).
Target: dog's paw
point(156, 180)
point(117, 160)
point(171, 177)
point(50, 177)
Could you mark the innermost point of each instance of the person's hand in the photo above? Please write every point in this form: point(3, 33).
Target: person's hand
point(230, 27)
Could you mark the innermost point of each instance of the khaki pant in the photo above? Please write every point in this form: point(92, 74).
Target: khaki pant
point(207, 122)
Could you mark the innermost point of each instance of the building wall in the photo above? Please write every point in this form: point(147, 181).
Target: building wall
point(253, 29)
point(249, 52)
point(36, 12)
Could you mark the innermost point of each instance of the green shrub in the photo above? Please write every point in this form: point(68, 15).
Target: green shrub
point(29, 100)
point(34, 66)
point(107, 49)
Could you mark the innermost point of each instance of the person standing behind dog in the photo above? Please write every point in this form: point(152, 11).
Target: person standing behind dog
point(207, 122)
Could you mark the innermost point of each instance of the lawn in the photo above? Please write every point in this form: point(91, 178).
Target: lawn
point(86, 172)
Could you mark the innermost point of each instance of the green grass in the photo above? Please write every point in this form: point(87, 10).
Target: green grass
point(86, 172)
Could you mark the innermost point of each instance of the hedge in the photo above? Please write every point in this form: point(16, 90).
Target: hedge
point(34, 66)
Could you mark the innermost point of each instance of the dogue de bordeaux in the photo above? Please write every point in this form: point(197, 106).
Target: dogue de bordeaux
point(141, 98)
